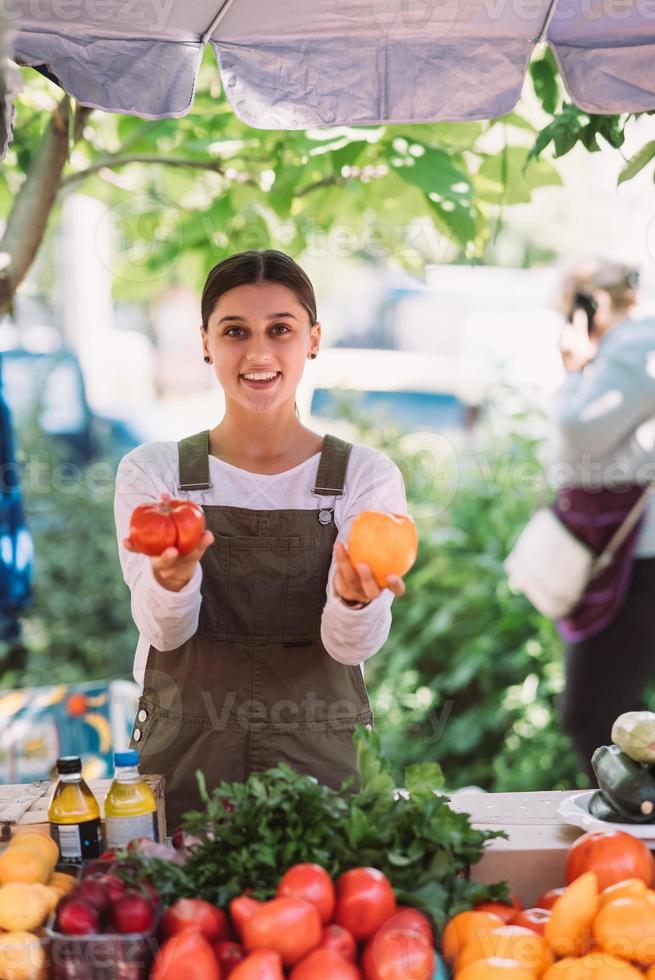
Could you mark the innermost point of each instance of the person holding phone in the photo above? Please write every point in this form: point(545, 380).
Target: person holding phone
point(251, 647)
point(602, 459)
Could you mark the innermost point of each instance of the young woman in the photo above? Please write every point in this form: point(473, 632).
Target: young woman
point(250, 647)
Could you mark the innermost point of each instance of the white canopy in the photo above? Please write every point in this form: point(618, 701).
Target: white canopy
point(295, 64)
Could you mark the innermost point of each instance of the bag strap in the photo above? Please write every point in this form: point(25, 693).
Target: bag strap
point(606, 557)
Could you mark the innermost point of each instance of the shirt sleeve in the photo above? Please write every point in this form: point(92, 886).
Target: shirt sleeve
point(597, 409)
point(349, 635)
point(166, 619)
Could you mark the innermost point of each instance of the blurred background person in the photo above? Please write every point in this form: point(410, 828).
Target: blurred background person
point(602, 459)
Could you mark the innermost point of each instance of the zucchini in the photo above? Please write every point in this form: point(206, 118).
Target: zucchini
point(634, 733)
point(601, 808)
point(628, 787)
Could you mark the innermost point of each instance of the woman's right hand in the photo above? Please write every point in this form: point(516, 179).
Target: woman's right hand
point(171, 569)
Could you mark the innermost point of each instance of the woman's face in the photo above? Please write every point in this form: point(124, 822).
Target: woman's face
point(258, 338)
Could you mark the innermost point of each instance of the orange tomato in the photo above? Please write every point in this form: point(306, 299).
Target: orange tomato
point(626, 928)
point(496, 968)
point(510, 943)
point(312, 883)
point(387, 543)
point(593, 966)
point(630, 888)
point(321, 963)
point(263, 965)
point(463, 928)
point(568, 931)
point(612, 855)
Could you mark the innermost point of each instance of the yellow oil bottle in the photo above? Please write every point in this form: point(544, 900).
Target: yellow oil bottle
point(130, 806)
point(74, 814)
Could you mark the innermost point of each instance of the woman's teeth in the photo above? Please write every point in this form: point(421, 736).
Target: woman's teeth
point(261, 379)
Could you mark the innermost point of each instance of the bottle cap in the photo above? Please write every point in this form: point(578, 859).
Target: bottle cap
point(69, 763)
point(128, 758)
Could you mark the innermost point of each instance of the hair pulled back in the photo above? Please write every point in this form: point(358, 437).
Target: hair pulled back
point(253, 266)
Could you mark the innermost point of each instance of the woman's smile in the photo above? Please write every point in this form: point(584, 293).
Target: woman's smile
point(260, 379)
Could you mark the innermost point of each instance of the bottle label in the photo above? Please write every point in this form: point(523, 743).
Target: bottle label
point(78, 842)
point(121, 830)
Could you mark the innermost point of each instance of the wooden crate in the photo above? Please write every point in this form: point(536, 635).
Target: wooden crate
point(25, 805)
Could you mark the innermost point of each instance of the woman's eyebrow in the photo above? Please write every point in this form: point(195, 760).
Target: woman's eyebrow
point(242, 319)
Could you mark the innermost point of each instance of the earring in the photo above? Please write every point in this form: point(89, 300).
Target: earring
point(312, 355)
point(207, 360)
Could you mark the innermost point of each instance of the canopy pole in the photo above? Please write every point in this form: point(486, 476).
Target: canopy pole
point(549, 16)
point(216, 21)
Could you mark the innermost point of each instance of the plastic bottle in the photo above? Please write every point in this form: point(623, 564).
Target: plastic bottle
point(130, 806)
point(74, 814)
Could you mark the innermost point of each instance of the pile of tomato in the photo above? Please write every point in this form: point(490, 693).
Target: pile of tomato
point(601, 926)
point(313, 929)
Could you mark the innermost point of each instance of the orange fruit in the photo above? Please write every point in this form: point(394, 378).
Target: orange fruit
point(387, 543)
point(22, 906)
point(19, 863)
point(626, 928)
point(593, 966)
point(41, 843)
point(463, 928)
point(510, 943)
point(495, 968)
point(650, 974)
point(22, 956)
point(623, 889)
point(568, 931)
point(59, 879)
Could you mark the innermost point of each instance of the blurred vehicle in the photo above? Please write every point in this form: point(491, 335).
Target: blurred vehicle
point(39, 724)
point(415, 392)
point(41, 376)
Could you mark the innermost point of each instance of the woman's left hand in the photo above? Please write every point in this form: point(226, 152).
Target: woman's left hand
point(356, 582)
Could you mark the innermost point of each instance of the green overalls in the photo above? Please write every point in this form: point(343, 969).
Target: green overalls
point(255, 685)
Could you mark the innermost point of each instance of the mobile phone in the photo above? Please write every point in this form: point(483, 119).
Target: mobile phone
point(586, 302)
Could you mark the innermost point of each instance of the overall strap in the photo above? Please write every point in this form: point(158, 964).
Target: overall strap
point(332, 467)
point(194, 462)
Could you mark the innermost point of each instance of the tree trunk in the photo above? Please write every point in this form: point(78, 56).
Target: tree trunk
point(28, 218)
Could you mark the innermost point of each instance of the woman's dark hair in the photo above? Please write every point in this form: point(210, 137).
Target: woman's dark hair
point(254, 266)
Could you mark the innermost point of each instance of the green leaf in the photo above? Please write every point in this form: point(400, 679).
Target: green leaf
point(516, 175)
point(544, 74)
point(637, 162)
point(423, 778)
point(433, 172)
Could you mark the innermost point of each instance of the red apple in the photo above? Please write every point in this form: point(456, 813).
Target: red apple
point(132, 913)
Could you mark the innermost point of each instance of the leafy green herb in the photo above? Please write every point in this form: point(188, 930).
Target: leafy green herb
point(250, 833)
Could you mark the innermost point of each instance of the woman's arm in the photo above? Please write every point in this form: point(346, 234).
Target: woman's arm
point(598, 409)
point(164, 617)
point(350, 635)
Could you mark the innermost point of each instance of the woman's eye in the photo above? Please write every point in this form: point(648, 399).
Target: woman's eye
point(281, 328)
point(228, 332)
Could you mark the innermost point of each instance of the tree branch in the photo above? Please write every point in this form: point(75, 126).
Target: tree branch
point(28, 218)
point(325, 182)
point(111, 162)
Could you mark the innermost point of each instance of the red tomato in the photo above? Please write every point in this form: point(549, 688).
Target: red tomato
point(196, 914)
point(365, 900)
point(312, 883)
point(534, 919)
point(187, 956)
point(263, 965)
point(399, 952)
point(337, 938)
point(502, 909)
point(241, 909)
point(612, 855)
point(289, 926)
point(412, 919)
point(177, 523)
point(548, 899)
point(229, 955)
point(323, 963)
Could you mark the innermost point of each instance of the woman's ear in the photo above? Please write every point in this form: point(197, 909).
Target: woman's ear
point(315, 335)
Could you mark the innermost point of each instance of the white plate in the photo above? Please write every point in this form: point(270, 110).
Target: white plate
point(574, 810)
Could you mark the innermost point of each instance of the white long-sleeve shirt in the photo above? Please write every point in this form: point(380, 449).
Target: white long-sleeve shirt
point(168, 619)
